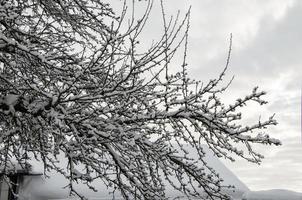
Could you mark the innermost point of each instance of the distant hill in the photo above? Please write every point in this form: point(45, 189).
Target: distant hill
point(276, 194)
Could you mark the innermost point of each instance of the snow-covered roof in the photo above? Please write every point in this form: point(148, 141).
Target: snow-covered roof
point(38, 188)
point(14, 168)
point(226, 174)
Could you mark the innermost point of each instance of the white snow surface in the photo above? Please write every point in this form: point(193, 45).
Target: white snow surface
point(40, 188)
point(276, 194)
point(226, 174)
point(11, 99)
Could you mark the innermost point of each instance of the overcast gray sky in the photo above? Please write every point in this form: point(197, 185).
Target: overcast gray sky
point(267, 52)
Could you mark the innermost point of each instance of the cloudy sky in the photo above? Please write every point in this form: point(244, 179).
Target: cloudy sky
point(267, 52)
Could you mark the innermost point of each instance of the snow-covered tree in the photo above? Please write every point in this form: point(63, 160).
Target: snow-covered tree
point(74, 81)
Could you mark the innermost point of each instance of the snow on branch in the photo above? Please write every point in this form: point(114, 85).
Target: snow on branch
point(76, 84)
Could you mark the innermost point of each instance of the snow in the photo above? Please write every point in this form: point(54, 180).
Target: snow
point(227, 175)
point(10, 100)
point(40, 188)
point(276, 194)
